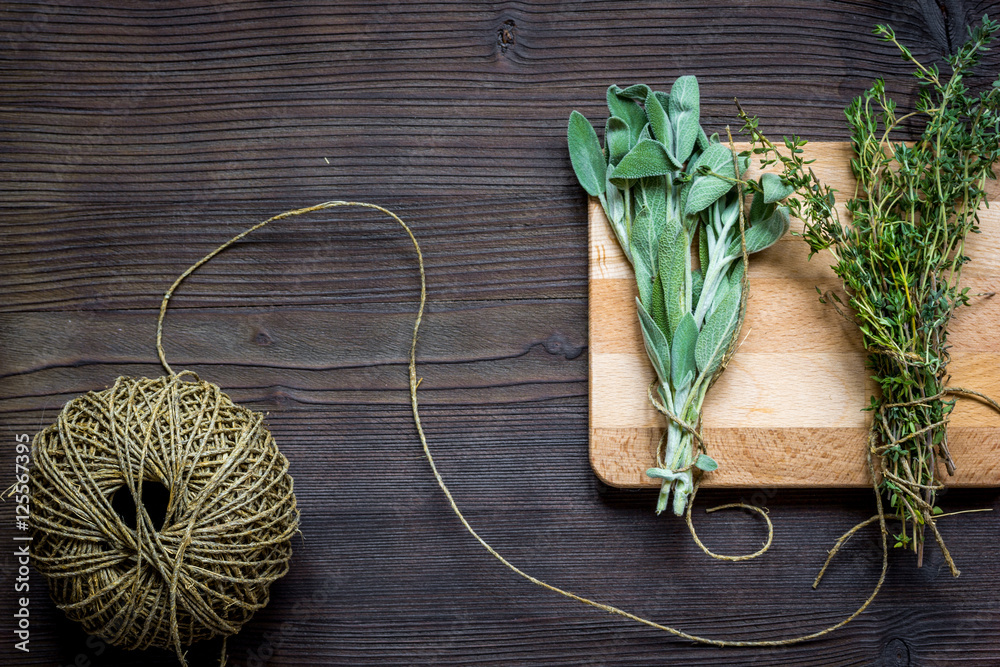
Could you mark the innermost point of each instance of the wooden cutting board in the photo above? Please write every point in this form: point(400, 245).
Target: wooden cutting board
point(787, 412)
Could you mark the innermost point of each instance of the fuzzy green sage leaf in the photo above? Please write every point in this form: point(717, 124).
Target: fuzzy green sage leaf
point(685, 110)
point(682, 352)
point(660, 124)
point(706, 463)
point(647, 158)
point(716, 336)
point(657, 346)
point(628, 111)
point(705, 189)
point(617, 138)
point(773, 188)
point(586, 155)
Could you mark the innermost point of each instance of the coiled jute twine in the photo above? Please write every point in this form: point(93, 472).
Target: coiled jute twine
point(231, 513)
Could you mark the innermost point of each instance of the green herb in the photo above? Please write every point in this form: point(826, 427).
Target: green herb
point(673, 197)
point(901, 257)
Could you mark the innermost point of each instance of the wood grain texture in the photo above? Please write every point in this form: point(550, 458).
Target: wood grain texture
point(788, 409)
point(135, 137)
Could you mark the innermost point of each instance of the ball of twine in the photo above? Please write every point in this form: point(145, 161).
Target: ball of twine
point(231, 512)
point(229, 520)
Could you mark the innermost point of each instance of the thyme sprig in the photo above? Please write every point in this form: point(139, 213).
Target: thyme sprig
point(674, 198)
point(901, 255)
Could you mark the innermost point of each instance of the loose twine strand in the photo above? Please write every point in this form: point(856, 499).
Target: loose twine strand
point(414, 383)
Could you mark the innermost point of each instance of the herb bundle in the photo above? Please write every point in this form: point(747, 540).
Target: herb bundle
point(901, 258)
point(673, 197)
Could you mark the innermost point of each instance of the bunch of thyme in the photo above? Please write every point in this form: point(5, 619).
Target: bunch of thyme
point(673, 197)
point(901, 258)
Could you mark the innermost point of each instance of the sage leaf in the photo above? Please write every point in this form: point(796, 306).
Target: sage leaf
point(662, 98)
point(718, 332)
point(705, 189)
point(720, 295)
point(616, 215)
point(647, 158)
point(683, 365)
point(586, 155)
point(729, 210)
point(684, 113)
point(657, 346)
point(703, 141)
point(647, 227)
point(697, 283)
point(637, 92)
point(651, 195)
point(732, 280)
point(735, 275)
point(616, 139)
point(661, 125)
point(763, 234)
point(664, 474)
point(628, 111)
point(672, 262)
point(716, 158)
point(706, 463)
point(644, 276)
point(758, 209)
point(656, 307)
point(703, 248)
point(774, 189)
point(664, 498)
point(644, 135)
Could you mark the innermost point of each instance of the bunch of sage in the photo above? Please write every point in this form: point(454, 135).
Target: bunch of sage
point(674, 199)
point(901, 258)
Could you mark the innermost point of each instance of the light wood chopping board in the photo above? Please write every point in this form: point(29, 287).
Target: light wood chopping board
point(787, 412)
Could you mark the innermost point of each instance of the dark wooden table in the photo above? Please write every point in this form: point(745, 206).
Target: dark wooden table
point(138, 136)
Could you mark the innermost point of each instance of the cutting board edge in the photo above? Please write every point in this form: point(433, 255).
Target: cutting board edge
point(598, 269)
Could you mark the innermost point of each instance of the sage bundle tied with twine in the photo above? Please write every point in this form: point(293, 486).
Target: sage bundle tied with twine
point(674, 198)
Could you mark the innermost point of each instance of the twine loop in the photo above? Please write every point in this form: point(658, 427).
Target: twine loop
point(230, 516)
point(696, 434)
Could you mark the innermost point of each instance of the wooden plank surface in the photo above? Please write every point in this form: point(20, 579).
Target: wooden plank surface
point(136, 136)
point(788, 409)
